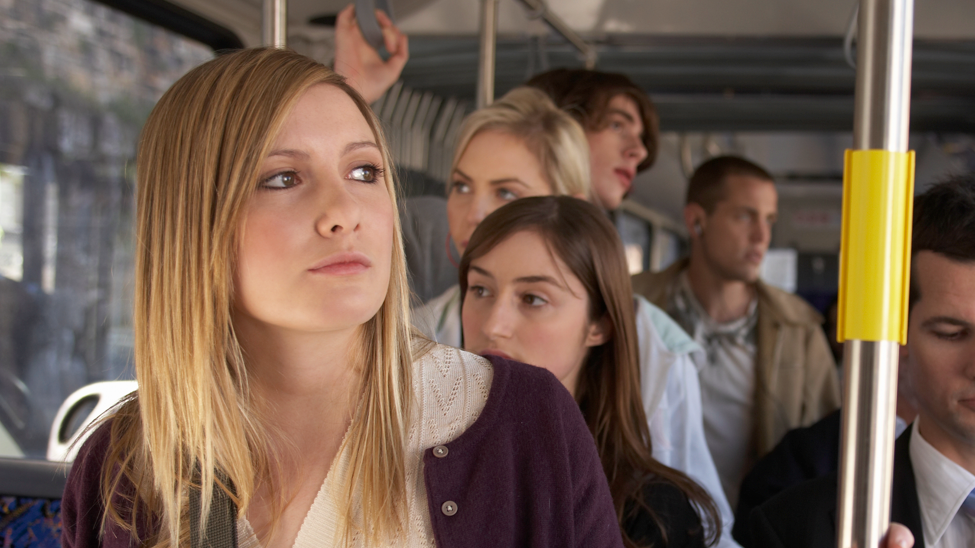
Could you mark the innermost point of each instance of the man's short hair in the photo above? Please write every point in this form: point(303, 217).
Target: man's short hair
point(585, 94)
point(707, 185)
point(944, 222)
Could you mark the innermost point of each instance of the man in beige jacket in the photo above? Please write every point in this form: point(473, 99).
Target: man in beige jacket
point(766, 367)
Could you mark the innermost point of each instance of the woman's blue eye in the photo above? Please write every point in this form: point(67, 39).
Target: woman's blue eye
point(285, 179)
point(506, 194)
point(366, 173)
point(459, 187)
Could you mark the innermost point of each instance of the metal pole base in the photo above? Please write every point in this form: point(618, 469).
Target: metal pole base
point(867, 452)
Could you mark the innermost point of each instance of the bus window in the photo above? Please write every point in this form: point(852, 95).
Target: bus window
point(78, 81)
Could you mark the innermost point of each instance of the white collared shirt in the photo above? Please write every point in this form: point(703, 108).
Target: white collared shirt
point(942, 486)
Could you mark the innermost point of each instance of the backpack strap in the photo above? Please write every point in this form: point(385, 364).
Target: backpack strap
point(221, 527)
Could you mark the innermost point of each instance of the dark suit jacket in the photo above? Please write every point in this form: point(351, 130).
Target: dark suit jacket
point(802, 455)
point(805, 515)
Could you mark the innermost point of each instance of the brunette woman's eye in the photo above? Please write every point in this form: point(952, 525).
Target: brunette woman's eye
point(533, 300)
point(479, 291)
point(368, 173)
point(281, 180)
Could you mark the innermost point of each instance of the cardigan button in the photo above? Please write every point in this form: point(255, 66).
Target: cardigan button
point(449, 508)
point(440, 451)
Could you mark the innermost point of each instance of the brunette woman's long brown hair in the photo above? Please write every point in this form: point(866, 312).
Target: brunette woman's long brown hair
point(608, 393)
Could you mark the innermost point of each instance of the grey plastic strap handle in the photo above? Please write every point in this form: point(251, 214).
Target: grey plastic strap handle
point(365, 14)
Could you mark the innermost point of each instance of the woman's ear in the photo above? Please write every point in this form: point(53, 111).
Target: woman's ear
point(599, 332)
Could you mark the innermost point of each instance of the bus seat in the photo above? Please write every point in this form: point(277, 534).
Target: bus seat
point(426, 237)
point(30, 502)
point(82, 408)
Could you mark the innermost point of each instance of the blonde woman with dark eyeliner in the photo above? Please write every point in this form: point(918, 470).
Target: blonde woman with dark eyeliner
point(283, 400)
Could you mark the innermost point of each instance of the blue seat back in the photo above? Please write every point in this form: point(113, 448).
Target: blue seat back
point(30, 502)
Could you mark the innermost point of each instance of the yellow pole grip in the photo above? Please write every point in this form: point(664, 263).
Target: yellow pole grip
point(875, 253)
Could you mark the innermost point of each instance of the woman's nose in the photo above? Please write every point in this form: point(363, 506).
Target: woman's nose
point(498, 324)
point(478, 211)
point(339, 211)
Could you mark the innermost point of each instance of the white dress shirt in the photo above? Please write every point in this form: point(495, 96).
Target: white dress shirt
point(942, 486)
point(671, 396)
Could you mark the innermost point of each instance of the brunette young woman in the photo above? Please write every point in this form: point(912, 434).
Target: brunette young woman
point(522, 145)
point(283, 400)
point(545, 281)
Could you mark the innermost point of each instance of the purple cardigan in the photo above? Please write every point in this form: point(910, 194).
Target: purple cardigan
point(526, 473)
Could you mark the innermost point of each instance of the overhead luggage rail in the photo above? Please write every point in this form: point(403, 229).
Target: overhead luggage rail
point(489, 36)
point(540, 10)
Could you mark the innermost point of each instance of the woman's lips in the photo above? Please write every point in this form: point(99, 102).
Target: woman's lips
point(498, 353)
point(342, 264)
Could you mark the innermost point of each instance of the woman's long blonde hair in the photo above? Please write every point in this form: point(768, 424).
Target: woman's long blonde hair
point(194, 419)
point(550, 134)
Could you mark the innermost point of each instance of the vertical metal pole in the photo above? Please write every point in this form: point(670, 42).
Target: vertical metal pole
point(870, 364)
point(489, 38)
point(883, 85)
point(275, 29)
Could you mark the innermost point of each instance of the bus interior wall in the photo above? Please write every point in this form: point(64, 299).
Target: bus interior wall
point(766, 79)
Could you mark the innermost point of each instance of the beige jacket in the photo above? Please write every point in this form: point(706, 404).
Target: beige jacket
point(797, 380)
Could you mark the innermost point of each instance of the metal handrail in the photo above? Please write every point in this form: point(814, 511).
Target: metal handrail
point(540, 10)
point(878, 165)
point(275, 23)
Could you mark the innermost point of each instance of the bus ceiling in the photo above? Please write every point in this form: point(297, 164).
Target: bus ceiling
point(753, 65)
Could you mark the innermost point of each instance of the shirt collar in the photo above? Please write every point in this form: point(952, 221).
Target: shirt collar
point(696, 321)
point(942, 485)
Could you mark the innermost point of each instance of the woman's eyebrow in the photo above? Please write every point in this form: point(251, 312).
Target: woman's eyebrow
point(505, 180)
point(539, 279)
point(482, 272)
point(352, 147)
point(291, 153)
point(500, 181)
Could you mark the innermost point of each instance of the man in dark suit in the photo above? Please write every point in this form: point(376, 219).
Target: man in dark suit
point(933, 490)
